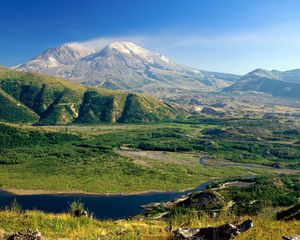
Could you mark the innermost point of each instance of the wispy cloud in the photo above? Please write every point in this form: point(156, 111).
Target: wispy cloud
point(281, 34)
point(234, 51)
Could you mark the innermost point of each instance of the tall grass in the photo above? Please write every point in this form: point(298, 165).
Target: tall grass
point(65, 226)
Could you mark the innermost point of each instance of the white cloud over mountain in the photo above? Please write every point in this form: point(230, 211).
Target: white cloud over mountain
point(269, 47)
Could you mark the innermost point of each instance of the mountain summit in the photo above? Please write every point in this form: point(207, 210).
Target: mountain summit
point(66, 54)
point(124, 65)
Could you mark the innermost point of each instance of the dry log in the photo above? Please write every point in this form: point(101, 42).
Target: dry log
point(224, 232)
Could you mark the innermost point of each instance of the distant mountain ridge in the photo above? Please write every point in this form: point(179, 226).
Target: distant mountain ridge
point(292, 76)
point(279, 84)
point(45, 100)
point(124, 65)
point(127, 66)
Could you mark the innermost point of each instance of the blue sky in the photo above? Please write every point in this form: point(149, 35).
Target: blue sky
point(221, 35)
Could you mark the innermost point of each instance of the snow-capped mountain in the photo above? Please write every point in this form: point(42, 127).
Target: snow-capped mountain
point(124, 65)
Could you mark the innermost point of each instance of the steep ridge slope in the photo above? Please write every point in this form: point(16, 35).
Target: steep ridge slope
point(13, 111)
point(43, 99)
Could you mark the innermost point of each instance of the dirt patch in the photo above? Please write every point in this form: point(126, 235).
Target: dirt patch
point(207, 162)
point(238, 184)
point(143, 156)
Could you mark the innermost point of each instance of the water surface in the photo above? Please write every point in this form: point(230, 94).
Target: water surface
point(103, 207)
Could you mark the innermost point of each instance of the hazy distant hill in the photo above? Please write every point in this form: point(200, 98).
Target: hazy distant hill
point(124, 65)
point(288, 76)
point(279, 84)
point(41, 99)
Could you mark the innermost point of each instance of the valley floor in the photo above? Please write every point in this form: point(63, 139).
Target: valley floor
point(137, 158)
point(185, 165)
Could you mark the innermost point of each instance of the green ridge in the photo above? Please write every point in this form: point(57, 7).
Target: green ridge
point(139, 108)
point(46, 100)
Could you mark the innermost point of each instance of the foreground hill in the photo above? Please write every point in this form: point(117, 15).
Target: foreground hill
point(41, 99)
point(278, 84)
point(265, 226)
point(124, 65)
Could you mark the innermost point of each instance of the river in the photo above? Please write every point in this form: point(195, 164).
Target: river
point(102, 206)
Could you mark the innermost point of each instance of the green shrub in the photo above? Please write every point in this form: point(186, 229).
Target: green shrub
point(14, 206)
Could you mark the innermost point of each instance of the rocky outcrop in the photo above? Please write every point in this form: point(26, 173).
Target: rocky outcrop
point(219, 105)
point(80, 213)
point(207, 200)
point(28, 234)
point(224, 232)
point(289, 214)
point(210, 111)
point(294, 237)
